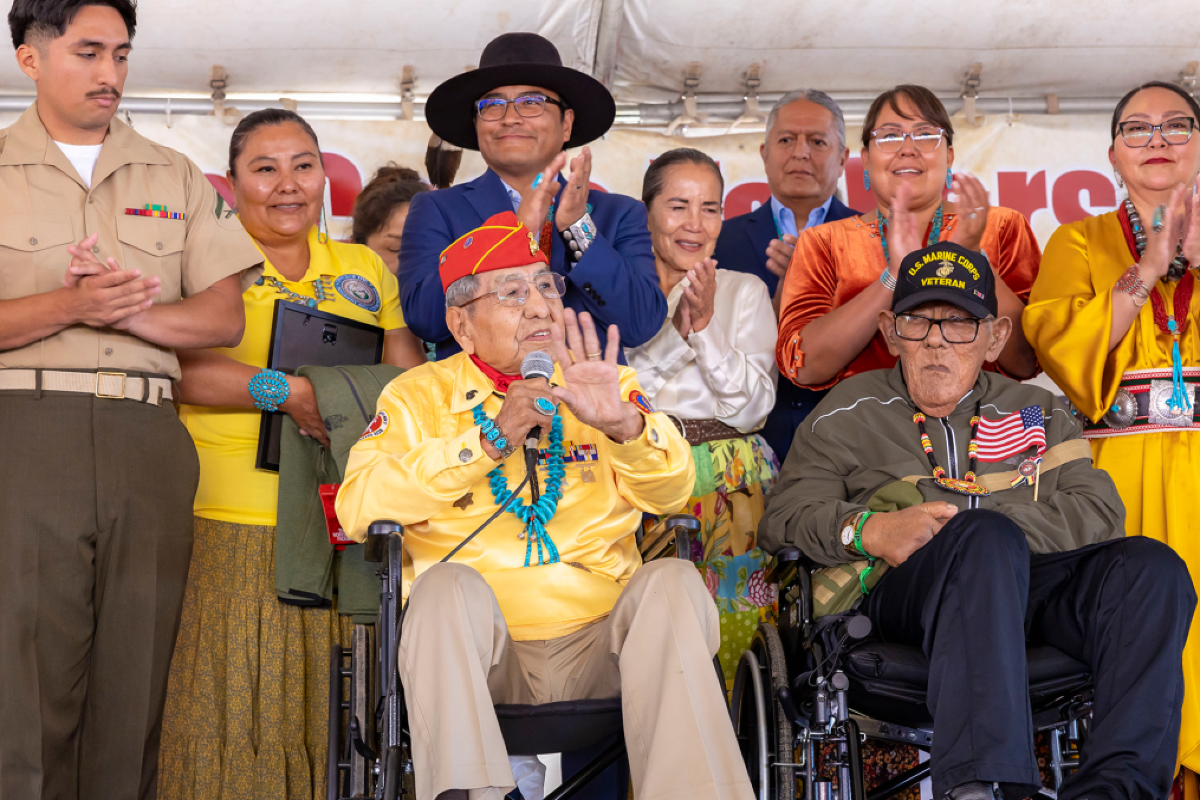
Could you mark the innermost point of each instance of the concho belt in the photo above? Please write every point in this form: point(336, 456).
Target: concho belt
point(1142, 405)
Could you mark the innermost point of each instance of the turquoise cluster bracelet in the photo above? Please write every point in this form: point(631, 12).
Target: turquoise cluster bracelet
point(269, 389)
point(491, 432)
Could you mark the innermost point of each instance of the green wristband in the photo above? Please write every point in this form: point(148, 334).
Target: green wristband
point(858, 545)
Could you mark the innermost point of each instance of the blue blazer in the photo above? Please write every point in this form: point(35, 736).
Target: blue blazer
point(615, 281)
point(743, 242)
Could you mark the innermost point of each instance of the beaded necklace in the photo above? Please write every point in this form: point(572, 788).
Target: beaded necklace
point(967, 485)
point(322, 288)
point(534, 518)
point(933, 234)
point(1172, 324)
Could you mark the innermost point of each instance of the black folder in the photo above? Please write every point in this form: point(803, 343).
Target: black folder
point(302, 336)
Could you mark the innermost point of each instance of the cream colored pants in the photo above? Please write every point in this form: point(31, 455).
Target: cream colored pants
point(655, 650)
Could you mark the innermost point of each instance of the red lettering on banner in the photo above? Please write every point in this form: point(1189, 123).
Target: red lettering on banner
point(1020, 194)
point(745, 197)
point(856, 196)
point(344, 184)
point(1067, 208)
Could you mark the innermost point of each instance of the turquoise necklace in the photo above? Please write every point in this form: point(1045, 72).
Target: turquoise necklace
point(935, 231)
point(534, 518)
point(322, 288)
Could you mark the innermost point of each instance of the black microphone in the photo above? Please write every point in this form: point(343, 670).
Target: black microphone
point(536, 365)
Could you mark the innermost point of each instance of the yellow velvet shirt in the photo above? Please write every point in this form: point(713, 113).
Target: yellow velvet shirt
point(421, 464)
point(1068, 321)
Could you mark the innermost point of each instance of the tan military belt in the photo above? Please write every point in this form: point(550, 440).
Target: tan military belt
point(700, 431)
point(114, 385)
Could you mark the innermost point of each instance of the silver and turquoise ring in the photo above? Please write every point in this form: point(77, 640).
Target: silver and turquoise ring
point(544, 406)
point(1158, 218)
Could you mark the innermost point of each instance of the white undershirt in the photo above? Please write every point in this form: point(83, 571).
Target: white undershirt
point(83, 157)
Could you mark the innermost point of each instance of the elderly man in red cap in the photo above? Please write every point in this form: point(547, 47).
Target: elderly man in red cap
point(552, 602)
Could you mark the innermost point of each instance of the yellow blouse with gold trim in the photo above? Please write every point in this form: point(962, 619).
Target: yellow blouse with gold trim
point(1156, 469)
point(421, 464)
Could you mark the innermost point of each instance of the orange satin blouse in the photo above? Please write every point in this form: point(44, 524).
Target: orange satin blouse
point(832, 263)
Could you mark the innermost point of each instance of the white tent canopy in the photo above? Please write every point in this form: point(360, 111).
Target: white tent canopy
point(357, 51)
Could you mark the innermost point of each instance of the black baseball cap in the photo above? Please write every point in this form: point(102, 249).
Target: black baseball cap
point(950, 273)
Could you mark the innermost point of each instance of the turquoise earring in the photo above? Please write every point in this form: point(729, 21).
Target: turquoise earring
point(866, 180)
point(949, 179)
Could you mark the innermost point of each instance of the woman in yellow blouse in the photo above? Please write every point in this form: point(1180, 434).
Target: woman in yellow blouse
point(246, 702)
point(1113, 322)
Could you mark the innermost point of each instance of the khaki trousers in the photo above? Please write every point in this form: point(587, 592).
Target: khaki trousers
point(95, 537)
point(655, 650)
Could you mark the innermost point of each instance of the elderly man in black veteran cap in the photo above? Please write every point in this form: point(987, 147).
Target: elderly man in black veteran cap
point(1010, 535)
point(520, 109)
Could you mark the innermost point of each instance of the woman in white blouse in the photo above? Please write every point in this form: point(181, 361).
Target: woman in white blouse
point(712, 369)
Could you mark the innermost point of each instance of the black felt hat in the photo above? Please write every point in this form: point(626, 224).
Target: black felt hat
point(519, 59)
point(950, 273)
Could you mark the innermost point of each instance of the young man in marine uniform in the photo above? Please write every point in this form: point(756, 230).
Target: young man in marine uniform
point(111, 256)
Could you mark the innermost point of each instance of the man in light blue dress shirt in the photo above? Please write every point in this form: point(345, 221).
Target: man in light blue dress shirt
point(804, 155)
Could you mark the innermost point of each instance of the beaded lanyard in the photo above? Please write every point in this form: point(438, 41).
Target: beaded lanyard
point(966, 486)
point(322, 288)
point(935, 231)
point(534, 518)
point(1172, 324)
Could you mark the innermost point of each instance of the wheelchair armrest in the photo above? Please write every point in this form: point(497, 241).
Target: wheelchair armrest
point(670, 538)
point(785, 558)
point(378, 534)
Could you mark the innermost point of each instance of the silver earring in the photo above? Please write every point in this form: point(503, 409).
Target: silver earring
point(1120, 181)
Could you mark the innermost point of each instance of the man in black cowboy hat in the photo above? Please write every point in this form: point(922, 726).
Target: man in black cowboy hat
point(521, 109)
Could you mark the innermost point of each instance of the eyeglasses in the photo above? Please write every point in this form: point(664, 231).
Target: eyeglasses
point(1173, 131)
point(515, 291)
point(527, 105)
point(890, 140)
point(955, 330)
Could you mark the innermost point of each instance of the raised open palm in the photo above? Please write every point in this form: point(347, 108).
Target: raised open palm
point(591, 383)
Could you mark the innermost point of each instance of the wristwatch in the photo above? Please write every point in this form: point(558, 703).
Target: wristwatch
point(848, 534)
point(849, 530)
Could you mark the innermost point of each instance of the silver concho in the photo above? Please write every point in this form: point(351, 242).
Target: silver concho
point(1161, 412)
point(1123, 411)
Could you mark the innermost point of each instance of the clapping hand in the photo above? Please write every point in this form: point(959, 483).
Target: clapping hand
point(106, 295)
point(973, 205)
point(591, 379)
point(535, 205)
point(697, 303)
point(779, 254)
point(1191, 227)
point(1161, 246)
point(903, 234)
point(573, 203)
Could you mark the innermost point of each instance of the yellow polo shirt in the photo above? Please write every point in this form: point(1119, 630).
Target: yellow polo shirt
point(361, 288)
point(420, 463)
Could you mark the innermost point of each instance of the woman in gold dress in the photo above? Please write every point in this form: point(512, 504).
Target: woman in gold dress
point(1112, 321)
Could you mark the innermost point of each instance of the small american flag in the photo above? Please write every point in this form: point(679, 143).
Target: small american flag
point(1011, 435)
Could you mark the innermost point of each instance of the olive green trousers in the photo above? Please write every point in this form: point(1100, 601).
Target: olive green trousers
point(95, 538)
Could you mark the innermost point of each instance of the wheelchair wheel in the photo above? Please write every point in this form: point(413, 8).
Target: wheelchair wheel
point(764, 733)
point(392, 774)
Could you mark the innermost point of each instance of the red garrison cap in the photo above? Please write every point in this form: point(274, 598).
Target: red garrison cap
point(500, 243)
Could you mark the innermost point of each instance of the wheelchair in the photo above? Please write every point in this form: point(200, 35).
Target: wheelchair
point(809, 693)
point(370, 752)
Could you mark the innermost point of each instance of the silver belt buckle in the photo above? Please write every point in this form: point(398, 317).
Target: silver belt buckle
point(120, 376)
point(1160, 411)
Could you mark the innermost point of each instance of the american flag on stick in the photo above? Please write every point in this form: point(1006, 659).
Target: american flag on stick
point(1012, 435)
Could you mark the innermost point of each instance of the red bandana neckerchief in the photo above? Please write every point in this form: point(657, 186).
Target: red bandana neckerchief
point(1183, 292)
point(498, 378)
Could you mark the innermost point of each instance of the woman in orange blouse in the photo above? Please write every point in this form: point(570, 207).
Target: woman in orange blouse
point(838, 283)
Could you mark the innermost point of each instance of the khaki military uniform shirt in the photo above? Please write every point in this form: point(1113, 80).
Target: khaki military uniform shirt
point(45, 207)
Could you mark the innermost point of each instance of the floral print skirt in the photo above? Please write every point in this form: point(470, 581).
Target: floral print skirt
point(731, 478)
